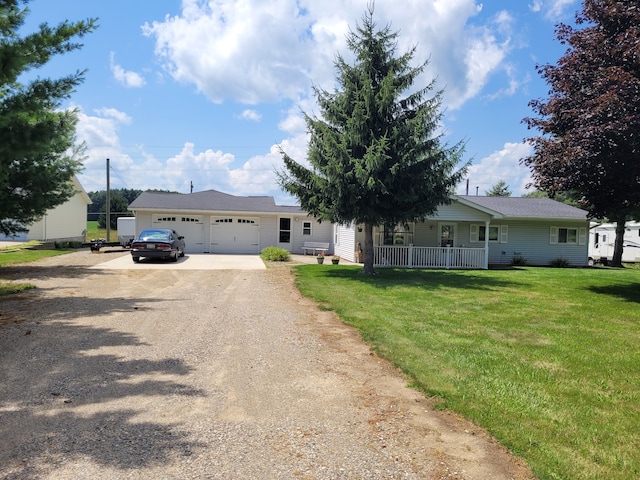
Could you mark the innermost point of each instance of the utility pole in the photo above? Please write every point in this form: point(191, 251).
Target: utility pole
point(108, 216)
point(191, 186)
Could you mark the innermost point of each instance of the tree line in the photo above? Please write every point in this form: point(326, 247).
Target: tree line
point(119, 201)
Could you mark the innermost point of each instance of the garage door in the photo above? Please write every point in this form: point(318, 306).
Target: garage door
point(235, 235)
point(190, 227)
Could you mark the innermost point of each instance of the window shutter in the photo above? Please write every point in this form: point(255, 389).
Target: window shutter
point(473, 233)
point(553, 235)
point(504, 233)
point(582, 236)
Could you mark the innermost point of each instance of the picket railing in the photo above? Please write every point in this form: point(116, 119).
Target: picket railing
point(429, 257)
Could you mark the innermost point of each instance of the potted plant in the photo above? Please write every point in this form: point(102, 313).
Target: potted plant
point(320, 257)
point(335, 259)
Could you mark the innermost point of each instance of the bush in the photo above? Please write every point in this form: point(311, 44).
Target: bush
point(274, 254)
point(559, 263)
point(518, 260)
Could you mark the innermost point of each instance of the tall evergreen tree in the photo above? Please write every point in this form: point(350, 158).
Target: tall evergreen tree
point(500, 189)
point(590, 124)
point(38, 152)
point(374, 153)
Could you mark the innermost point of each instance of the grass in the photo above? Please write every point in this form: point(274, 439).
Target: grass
point(546, 359)
point(19, 254)
point(94, 232)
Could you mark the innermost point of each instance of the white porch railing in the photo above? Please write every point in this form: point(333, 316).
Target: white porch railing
point(429, 257)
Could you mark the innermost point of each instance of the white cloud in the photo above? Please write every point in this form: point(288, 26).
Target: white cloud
point(136, 167)
point(553, 9)
point(128, 79)
point(250, 115)
point(255, 51)
point(117, 115)
point(500, 165)
point(536, 6)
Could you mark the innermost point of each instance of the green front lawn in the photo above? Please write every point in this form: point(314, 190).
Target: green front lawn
point(548, 360)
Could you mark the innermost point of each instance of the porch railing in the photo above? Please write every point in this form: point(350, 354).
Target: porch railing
point(428, 257)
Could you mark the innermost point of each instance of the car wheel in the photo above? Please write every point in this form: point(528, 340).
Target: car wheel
point(135, 259)
point(175, 257)
point(182, 253)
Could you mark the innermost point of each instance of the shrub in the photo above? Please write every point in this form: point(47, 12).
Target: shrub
point(518, 260)
point(559, 263)
point(274, 254)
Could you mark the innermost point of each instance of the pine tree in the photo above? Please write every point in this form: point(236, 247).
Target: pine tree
point(38, 153)
point(500, 189)
point(375, 156)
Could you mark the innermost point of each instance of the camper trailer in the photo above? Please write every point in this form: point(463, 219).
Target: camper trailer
point(602, 238)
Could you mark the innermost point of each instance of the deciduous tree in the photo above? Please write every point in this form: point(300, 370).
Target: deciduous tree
point(590, 124)
point(38, 152)
point(375, 154)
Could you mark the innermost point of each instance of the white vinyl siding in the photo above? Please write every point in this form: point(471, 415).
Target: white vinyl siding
point(532, 240)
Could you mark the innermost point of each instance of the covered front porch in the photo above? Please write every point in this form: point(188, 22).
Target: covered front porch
point(433, 244)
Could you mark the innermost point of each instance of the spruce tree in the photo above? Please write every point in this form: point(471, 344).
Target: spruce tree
point(375, 154)
point(38, 151)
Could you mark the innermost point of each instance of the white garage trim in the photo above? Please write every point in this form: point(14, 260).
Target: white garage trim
point(191, 227)
point(230, 234)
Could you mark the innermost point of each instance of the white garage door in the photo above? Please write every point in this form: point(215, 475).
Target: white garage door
point(235, 235)
point(190, 227)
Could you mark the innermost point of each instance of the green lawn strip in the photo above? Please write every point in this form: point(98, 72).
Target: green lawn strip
point(545, 359)
point(12, 257)
point(8, 288)
point(94, 232)
point(25, 255)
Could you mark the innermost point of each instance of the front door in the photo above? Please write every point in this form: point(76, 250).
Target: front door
point(447, 234)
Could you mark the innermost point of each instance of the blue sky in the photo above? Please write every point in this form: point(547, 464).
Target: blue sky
point(203, 92)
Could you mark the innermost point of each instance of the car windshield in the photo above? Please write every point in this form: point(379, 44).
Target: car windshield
point(156, 235)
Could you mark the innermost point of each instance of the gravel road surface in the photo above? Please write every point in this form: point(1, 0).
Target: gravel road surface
point(212, 374)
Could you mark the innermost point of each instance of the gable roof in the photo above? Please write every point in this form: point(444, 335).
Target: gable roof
point(80, 190)
point(209, 200)
point(525, 207)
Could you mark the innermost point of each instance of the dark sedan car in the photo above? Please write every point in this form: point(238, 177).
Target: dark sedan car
point(157, 243)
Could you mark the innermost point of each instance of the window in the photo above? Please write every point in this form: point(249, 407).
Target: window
point(567, 236)
point(494, 233)
point(497, 233)
point(285, 230)
point(306, 228)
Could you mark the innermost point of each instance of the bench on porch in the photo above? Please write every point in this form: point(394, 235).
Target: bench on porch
point(315, 247)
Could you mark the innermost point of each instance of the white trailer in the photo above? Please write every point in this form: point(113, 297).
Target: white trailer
point(602, 239)
point(126, 230)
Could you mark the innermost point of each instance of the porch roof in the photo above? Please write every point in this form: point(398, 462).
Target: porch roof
point(524, 207)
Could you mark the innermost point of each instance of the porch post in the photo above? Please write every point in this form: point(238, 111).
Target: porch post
point(486, 244)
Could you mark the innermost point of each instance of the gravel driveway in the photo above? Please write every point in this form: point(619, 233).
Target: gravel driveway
point(227, 374)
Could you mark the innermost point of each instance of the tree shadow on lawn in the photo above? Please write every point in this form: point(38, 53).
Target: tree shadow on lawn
point(431, 279)
point(79, 400)
point(629, 293)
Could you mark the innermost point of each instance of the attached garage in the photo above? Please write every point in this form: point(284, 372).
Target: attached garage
point(232, 234)
point(216, 222)
point(191, 227)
